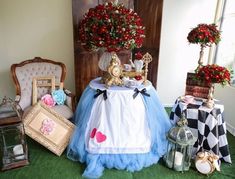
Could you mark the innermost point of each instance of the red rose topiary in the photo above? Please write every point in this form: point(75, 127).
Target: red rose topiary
point(111, 26)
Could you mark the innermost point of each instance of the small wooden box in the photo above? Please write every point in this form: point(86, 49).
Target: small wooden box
point(196, 88)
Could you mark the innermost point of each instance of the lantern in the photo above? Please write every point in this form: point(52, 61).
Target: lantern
point(12, 136)
point(180, 144)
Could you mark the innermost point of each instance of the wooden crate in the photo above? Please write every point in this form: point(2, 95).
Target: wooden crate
point(196, 88)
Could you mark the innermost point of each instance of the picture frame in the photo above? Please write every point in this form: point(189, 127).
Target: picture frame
point(47, 127)
point(44, 82)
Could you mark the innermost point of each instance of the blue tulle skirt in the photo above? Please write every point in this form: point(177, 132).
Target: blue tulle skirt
point(159, 125)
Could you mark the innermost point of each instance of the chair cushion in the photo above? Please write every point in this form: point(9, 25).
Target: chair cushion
point(63, 110)
point(25, 75)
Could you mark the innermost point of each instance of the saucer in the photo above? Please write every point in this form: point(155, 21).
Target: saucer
point(188, 99)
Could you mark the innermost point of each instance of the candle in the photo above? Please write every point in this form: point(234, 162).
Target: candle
point(18, 151)
point(178, 158)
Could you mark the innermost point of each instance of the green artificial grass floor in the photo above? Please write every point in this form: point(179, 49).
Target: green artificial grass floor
point(46, 165)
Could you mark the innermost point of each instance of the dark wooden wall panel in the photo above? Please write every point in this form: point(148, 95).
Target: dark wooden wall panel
point(85, 63)
point(151, 13)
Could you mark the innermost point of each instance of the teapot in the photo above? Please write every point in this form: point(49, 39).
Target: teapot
point(138, 65)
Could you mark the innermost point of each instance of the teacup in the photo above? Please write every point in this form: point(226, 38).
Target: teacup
point(127, 67)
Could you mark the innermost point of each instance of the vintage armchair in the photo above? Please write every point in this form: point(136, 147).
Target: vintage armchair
point(23, 74)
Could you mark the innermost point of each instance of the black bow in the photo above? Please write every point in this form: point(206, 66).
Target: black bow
point(99, 92)
point(143, 92)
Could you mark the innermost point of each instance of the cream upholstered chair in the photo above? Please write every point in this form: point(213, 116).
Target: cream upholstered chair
point(23, 74)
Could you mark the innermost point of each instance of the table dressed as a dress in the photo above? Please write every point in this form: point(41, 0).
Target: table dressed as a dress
point(119, 127)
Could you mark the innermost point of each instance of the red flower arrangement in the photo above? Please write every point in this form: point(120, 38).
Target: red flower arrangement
point(213, 74)
point(204, 34)
point(111, 26)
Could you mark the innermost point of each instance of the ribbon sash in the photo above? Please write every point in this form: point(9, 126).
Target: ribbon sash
point(99, 92)
point(143, 92)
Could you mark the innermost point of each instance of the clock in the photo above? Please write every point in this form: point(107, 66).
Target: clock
point(114, 73)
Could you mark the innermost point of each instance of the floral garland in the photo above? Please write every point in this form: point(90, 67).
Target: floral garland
point(214, 74)
point(204, 34)
point(111, 26)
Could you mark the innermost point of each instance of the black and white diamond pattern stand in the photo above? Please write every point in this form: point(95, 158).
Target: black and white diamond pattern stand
point(207, 125)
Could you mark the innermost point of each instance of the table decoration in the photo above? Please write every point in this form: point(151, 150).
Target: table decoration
point(180, 143)
point(114, 72)
point(187, 99)
point(131, 82)
point(110, 27)
point(212, 74)
point(138, 62)
point(138, 75)
point(147, 58)
point(206, 162)
point(205, 35)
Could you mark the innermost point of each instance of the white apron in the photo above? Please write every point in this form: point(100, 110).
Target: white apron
point(118, 124)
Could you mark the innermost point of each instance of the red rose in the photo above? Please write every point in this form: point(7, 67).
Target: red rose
point(138, 56)
point(204, 34)
point(139, 77)
point(213, 74)
point(118, 27)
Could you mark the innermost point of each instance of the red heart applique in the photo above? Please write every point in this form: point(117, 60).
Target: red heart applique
point(100, 137)
point(92, 135)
